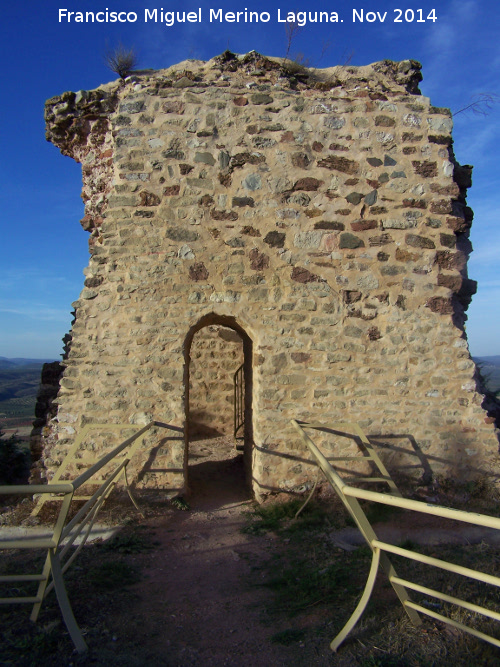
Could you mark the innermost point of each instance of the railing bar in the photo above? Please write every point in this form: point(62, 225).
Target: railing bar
point(89, 519)
point(65, 489)
point(82, 522)
point(88, 504)
point(366, 479)
point(70, 539)
point(350, 495)
point(73, 449)
point(131, 495)
point(92, 515)
point(326, 466)
point(5, 578)
point(81, 479)
point(28, 543)
point(33, 489)
point(363, 457)
point(455, 624)
point(20, 600)
point(334, 427)
point(171, 427)
point(79, 439)
point(436, 562)
point(238, 400)
point(419, 506)
point(447, 598)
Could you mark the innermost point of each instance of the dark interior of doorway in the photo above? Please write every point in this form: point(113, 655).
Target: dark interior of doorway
point(218, 462)
point(216, 472)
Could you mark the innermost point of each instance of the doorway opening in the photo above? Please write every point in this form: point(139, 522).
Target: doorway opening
point(218, 407)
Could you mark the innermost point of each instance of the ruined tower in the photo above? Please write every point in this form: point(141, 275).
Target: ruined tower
point(308, 225)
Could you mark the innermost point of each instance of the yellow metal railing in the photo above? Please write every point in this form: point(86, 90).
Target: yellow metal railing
point(239, 399)
point(65, 533)
point(74, 456)
point(350, 495)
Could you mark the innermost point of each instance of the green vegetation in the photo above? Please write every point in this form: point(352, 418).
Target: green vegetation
point(130, 542)
point(14, 460)
point(35, 644)
point(112, 575)
point(307, 586)
point(316, 586)
point(303, 582)
point(288, 637)
point(280, 517)
point(98, 585)
point(180, 504)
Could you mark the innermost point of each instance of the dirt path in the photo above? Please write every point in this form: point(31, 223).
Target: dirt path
point(199, 600)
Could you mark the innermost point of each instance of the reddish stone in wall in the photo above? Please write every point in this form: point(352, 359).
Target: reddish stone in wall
point(248, 230)
point(362, 225)
point(223, 215)
point(287, 137)
point(441, 206)
point(300, 357)
point(149, 198)
point(440, 304)
point(198, 271)
point(452, 282)
point(171, 190)
point(258, 260)
point(308, 184)
point(340, 164)
point(426, 169)
point(301, 275)
point(450, 260)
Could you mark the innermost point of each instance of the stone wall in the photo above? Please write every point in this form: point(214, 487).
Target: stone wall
point(320, 214)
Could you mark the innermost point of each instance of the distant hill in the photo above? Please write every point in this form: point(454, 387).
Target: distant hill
point(490, 370)
point(20, 379)
point(19, 382)
point(17, 362)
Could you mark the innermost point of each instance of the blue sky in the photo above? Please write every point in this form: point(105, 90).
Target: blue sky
point(44, 247)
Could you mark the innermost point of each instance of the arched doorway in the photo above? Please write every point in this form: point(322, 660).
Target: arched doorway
point(218, 409)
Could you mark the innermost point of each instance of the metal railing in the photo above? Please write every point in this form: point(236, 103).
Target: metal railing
point(239, 399)
point(65, 533)
point(349, 495)
point(87, 459)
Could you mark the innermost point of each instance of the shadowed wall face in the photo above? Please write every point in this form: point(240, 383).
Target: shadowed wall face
point(321, 212)
point(216, 354)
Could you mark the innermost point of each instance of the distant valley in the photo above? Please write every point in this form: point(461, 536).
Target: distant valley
point(19, 381)
point(20, 378)
point(490, 370)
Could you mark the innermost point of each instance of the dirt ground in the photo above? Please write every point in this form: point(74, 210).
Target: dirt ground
point(200, 599)
point(199, 602)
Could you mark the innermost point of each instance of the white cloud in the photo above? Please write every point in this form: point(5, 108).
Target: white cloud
point(37, 279)
point(31, 344)
point(36, 311)
point(476, 139)
point(485, 253)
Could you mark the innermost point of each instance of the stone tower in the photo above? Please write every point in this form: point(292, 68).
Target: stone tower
point(309, 225)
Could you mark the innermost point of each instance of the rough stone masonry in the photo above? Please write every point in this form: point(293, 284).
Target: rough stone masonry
point(319, 216)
